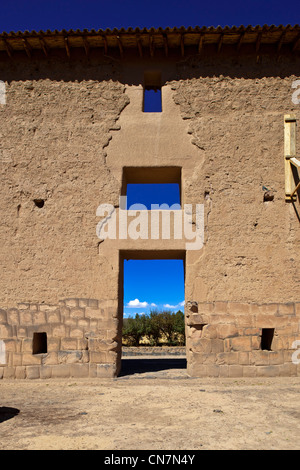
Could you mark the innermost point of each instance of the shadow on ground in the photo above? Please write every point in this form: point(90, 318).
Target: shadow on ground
point(7, 413)
point(140, 366)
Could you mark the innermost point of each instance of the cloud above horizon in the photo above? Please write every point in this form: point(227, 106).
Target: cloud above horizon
point(137, 304)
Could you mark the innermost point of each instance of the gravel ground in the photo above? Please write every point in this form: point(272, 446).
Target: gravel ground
point(155, 407)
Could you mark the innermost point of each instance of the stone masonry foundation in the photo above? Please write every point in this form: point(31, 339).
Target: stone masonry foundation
point(81, 338)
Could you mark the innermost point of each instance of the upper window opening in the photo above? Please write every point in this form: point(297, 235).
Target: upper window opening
point(159, 186)
point(152, 92)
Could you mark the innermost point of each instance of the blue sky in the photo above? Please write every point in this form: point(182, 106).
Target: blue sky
point(146, 282)
point(38, 15)
point(153, 284)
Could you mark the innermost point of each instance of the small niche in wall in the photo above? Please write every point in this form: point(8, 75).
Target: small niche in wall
point(39, 343)
point(152, 92)
point(39, 203)
point(267, 335)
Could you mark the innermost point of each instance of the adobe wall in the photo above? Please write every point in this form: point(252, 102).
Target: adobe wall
point(68, 129)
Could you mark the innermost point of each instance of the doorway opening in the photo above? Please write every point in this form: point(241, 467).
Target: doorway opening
point(152, 312)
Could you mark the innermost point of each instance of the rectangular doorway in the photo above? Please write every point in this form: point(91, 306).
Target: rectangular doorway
point(151, 312)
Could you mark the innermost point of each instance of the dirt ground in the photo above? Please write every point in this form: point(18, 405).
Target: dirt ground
point(153, 408)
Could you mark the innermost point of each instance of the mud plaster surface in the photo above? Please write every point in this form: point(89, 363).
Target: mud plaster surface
point(158, 410)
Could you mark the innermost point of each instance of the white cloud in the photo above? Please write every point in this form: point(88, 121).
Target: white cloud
point(137, 304)
point(169, 306)
point(153, 305)
point(181, 304)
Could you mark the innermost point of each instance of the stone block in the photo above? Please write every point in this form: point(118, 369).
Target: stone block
point(259, 358)
point(59, 331)
point(3, 316)
point(82, 344)
point(77, 313)
point(6, 332)
point(53, 317)
point(83, 303)
point(65, 311)
point(48, 308)
point(220, 307)
point(50, 358)
point(69, 344)
point(267, 371)
point(238, 308)
point(209, 331)
point(79, 370)
point(249, 371)
point(13, 317)
point(1, 372)
point(9, 372)
point(268, 309)
point(240, 343)
point(245, 321)
point(45, 372)
point(212, 370)
point(106, 370)
point(91, 312)
point(70, 322)
point(94, 303)
point(223, 371)
point(26, 317)
point(26, 345)
point(53, 344)
point(226, 331)
point(31, 359)
point(265, 321)
point(69, 357)
point(71, 302)
point(61, 371)
point(22, 332)
point(286, 309)
point(256, 342)
point(276, 357)
point(20, 372)
point(93, 370)
point(33, 372)
point(97, 357)
point(84, 323)
point(17, 359)
point(39, 318)
point(235, 371)
point(217, 346)
point(76, 333)
point(243, 358)
point(203, 345)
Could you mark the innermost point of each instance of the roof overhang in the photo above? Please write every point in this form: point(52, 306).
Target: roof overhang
point(149, 40)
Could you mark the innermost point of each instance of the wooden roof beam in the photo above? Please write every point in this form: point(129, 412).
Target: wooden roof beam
point(151, 45)
point(67, 46)
point(86, 45)
point(44, 46)
point(240, 41)
point(105, 44)
point(201, 43)
point(166, 46)
point(27, 47)
point(120, 46)
point(182, 44)
point(296, 43)
point(8, 48)
point(280, 42)
point(139, 46)
point(220, 42)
